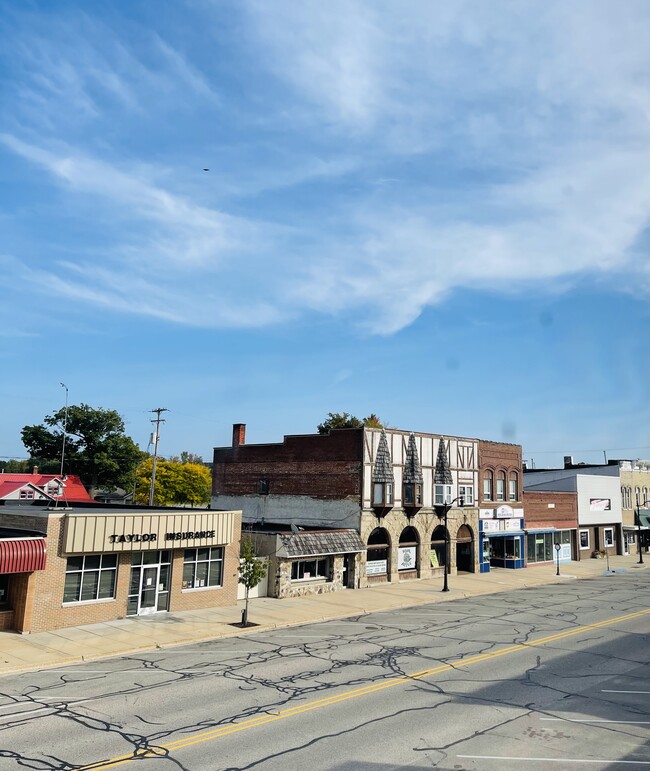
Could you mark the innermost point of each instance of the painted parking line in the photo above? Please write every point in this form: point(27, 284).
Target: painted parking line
point(355, 693)
point(594, 720)
point(565, 761)
point(610, 690)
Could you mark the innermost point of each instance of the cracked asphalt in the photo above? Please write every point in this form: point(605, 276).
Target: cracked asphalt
point(556, 676)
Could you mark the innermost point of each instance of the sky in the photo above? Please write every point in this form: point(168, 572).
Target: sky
point(434, 212)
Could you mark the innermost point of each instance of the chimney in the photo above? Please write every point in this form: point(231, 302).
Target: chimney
point(238, 434)
point(568, 461)
point(35, 470)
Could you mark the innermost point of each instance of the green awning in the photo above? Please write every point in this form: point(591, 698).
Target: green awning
point(644, 518)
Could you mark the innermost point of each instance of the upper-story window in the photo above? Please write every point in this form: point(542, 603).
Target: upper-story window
point(501, 486)
point(263, 487)
point(513, 486)
point(488, 480)
point(382, 493)
point(26, 495)
point(466, 494)
point(441, 494)
point(637, 496)
point(412, 494)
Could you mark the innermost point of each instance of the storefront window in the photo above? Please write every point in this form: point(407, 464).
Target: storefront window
point(507, 548)
point(438, 547)
point(584, 539)
point(609, 536)
point(305, 570)
point(203, 567)
point(4, 591)
point(90, 577)
point(378, 552)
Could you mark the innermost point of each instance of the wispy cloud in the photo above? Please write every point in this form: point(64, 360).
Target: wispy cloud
point(518, 135)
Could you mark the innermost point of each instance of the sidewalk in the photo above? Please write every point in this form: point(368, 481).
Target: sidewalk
point(22, 653)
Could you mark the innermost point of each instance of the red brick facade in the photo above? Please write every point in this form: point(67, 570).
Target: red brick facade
point(500, 460)
point(327, 467)
point(544, 508)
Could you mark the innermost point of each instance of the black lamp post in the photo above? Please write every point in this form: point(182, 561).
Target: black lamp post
point(557, 558)
point(638, 522)
point(442, 510)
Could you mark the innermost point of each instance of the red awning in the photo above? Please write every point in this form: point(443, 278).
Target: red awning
point(22, 555)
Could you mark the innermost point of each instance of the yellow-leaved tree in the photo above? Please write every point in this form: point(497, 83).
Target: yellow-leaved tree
point(177, 484)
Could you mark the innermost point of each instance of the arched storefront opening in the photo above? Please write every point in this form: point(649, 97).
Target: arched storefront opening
point(438, 551)
point(378, 560)
point(465, 549)
point(408, 553)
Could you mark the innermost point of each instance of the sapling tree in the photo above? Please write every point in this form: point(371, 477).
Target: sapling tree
point(251, 571)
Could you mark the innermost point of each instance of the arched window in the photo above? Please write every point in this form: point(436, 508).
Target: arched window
point(513, 486)
point(501, 486)
point(378, 552)
point(637, 496)
point(488, 481)
point(407, 553)
point(438, 547)
point(623, 498)
point(645, 496)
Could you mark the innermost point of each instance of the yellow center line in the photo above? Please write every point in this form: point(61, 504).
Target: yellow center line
point(355, 693)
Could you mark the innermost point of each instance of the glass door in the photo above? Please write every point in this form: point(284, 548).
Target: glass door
point(148, 590)
point(149, 585)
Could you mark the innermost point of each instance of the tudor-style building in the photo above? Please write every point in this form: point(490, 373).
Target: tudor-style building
point(383, 483)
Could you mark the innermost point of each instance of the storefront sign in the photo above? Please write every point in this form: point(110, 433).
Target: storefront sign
point(86, 533)
point(491, 526)
point(376, 567)
point(600, 504)
point(406, 558)
point(505, 512)
point(512, 524)
point(486, 513)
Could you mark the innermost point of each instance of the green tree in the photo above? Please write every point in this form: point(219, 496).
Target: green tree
point(14, 466)
point(345, 420)
point(96, 447)
point(187, 457)
point(251, 571)
point(177, 484)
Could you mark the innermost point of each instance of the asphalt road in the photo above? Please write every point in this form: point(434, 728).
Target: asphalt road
point(553, 677)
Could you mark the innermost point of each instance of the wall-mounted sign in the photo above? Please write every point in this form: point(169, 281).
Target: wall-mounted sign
point(512, 524)
point(491, 526)
point(486, 513)
point(406, 558)
point(600, 504)
point(505, 512)
point(376, 567)
point(86, 533)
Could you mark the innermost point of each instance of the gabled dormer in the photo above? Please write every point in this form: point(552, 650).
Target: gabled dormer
point(412, 497)
point(383, 480)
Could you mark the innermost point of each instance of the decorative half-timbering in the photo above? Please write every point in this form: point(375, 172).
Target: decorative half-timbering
point(412, 499)
point(383, 480)
point(442, 478)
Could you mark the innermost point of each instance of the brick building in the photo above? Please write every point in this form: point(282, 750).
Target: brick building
point(107, 563)
point(382, 483)
point(501, 512)
point(551, 518)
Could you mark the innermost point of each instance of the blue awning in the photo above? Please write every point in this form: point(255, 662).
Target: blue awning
point(540, 530)
point(503, 533)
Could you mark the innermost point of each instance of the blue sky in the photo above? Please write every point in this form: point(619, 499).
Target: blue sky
point(436, 212)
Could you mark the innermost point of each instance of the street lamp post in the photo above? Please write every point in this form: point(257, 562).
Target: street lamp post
point(557, 558)
point(442, 510)
point(638, 523)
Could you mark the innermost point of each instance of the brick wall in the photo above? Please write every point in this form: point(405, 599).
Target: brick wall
point(321, 467)
point(495, 457)
point(544, 508)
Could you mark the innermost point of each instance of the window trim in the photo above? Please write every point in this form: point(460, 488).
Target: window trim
point(445, 497)
point(605, 531)
point(195, 562)
point(327, 577)
point(468, 500)
point(488, 486)
point(584, 548)
point(501, 483)
point(84, 570)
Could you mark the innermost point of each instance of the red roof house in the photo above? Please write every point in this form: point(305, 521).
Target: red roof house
point(42, 487)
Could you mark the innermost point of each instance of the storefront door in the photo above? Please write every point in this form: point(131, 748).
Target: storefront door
point(149, 587)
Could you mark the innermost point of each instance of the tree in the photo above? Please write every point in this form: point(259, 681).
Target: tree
point(251, 571)
point(177, 484)
point(14, 466)
point(345, 420)
point(96, 447)
point(187, 457)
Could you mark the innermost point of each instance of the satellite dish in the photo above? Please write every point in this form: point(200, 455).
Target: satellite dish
point(294, 529)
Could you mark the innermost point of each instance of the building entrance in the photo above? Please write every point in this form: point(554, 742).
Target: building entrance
point(149, 585)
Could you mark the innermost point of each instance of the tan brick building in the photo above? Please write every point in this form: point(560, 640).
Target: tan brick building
point(107, 563)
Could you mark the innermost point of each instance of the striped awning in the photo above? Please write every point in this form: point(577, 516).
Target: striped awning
point(22, 555)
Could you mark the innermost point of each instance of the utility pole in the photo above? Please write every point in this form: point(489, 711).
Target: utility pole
point(158, 420)
point(65, 427)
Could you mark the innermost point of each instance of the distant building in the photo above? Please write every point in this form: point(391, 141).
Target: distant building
point(598, 500)
point(41, 487)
